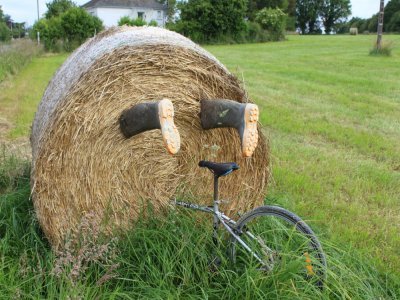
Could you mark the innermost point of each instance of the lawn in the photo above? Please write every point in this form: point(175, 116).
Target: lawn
point(333, 117)
point(332, 114)
point(21, 95)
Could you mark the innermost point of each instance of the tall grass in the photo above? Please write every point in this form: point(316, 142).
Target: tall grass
point(384, 50)
point(161, 258)
point(15, 55)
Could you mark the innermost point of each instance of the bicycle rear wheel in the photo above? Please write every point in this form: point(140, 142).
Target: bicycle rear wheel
point(279, 241)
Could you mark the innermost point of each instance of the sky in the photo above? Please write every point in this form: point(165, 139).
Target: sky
point(26, 10)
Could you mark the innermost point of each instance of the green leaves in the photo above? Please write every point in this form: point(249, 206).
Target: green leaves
point(72, 27)
point(207, 20)
point(126, 20)
point(273, 20)
point(58, 7)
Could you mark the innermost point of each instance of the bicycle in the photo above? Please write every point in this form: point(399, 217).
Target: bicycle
point(267, 235)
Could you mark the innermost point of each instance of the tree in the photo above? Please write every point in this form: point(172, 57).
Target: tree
point(5, 32)
point(307, 13)
point(50, 32)
point(58, 7)
point(391, 8)
point(18, 30)
point(1, 15)
point(72, 28)
point(206, 20)
point(77, 25)
point(394, 24)
point(334, 11)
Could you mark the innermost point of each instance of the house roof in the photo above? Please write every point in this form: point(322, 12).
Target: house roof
point(125, 3)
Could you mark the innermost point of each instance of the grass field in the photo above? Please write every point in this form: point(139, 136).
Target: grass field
point(332, 113)
point(20, 96)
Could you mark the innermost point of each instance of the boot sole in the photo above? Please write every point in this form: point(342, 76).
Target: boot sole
point(250, 132)
point(170, 133)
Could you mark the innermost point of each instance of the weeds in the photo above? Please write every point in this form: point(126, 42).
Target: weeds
point(13, 171)
point(84, 248)
point(385, 49)
point(14, 56)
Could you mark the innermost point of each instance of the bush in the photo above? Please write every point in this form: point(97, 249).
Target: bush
point(153, 23)
point(125, 20)
point(50, 33)
point(138, 22)
point(273, 20)
point(78, 25)
point(5, 32)
point(67, 31)
point(209, 21)
point(255, 33)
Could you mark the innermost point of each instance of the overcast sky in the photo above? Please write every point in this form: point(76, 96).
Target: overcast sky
point(26, 10)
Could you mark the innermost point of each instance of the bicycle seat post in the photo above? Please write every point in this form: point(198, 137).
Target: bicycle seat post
point(216, 189)
point(216, 210)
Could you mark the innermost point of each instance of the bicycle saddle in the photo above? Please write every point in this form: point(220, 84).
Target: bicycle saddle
point(219, 169)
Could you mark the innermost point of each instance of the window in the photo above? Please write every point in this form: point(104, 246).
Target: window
point(140, 14)
point(159, 15)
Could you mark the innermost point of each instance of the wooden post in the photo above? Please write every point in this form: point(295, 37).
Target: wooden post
point(380, 25)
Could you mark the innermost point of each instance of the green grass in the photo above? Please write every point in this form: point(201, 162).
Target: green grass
point(162, 258)
point(22, 95)
point(332, 114)
point(15, 55)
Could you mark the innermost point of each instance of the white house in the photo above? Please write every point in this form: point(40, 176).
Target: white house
point(110, 11)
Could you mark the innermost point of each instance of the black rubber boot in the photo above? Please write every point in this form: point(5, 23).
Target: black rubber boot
point(227, 113)
point(152, 115)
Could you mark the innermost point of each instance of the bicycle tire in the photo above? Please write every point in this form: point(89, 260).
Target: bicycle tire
point(266, 245)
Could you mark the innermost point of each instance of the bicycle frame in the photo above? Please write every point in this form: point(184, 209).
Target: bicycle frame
point(220, 217)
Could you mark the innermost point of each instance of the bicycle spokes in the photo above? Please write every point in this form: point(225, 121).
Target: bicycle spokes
point(280, 246)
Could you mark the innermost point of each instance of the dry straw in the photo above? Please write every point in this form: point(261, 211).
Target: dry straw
point(82, 162)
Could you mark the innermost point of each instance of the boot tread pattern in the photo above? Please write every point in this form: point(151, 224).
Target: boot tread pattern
point(250, 133)
point(169, 131)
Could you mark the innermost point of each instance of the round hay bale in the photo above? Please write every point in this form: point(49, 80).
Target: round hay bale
point(81, 161)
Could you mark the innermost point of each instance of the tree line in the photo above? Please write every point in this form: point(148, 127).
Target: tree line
point(66, 26)
point(255, 20)
point(391, 20)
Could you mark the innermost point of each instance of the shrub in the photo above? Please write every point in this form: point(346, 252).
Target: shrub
point(125, 20)
point(78, 25)
point(153, 23)
point(67, 31)
point(138, 22)
point(50, 33)
point(255, 33)
point(209, 20)
point(273, 20)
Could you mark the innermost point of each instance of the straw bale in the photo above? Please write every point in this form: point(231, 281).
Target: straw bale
point(81, 162)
